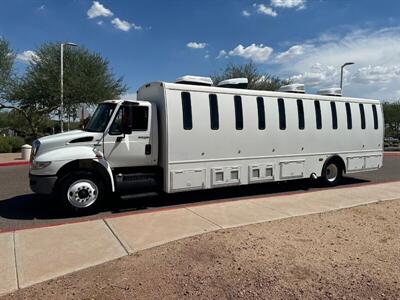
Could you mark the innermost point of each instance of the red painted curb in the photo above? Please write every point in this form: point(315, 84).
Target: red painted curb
point(179, 206)
point(391, 154)
point(14, 163)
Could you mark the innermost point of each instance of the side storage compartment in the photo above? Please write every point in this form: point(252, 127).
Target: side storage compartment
point(355, 163)
point(225, 176)
point(185, 180)
point(261, 173)
point(292, 169)
point(373, 161)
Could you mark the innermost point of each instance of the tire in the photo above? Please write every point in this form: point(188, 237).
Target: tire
point(81, 192)
point(332, 173)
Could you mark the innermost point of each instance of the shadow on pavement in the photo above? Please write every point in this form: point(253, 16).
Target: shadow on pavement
point(38, 207)
point(224, 194)
point(30, 207)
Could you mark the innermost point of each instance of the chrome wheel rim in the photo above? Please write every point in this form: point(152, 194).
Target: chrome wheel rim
point(82, 193)
point(331, 172)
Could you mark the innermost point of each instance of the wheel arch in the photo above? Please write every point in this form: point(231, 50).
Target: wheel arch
point(86, 165)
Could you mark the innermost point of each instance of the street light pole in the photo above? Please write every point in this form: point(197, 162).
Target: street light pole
point(62, 83)
point(341, 73)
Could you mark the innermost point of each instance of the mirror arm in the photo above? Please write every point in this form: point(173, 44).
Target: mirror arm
point(120, 138)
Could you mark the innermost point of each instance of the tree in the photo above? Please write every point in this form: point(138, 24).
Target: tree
point(3, 120)
point(7, 81)
point(257, 80)
point(391, 112)
point(6, 66)
point(87, 80)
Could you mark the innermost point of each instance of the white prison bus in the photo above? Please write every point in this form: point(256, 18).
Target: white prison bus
point(190, 135)
point(215, 136)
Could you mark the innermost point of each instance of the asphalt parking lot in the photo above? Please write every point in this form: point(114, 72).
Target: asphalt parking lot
point(20, 208)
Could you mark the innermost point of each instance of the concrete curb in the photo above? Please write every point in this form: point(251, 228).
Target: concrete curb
point(35, 255)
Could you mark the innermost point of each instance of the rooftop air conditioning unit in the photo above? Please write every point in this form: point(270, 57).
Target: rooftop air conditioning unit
point(330, 92)
point(239, 83)
point(194, 80)
point(293, 88)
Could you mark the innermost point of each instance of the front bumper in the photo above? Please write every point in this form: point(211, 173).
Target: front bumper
point(42, 184)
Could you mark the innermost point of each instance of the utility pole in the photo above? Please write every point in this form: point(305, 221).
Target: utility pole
point(341, 74)
point(62, 83)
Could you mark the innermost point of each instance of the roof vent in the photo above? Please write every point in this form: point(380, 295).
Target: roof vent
point(330, 92)
point(292, 88)
point(194, 80)
point(239, 83)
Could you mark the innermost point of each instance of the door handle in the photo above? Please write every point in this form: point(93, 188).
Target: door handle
point(147, 149)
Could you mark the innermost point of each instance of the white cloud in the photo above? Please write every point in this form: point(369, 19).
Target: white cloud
point(41, 7)
point(27, 56)
point(100, 22)
point(124, 25)
point(129, 96)
point(98, 10)
point(318, 75)
point(136, 27)
point(291, 53)
point(265, 10)
point(195, 45)
point(222, 54)
point(299, 4)
point(375, 74)
point(328, 37)
point(257, 53)
point(246, 13)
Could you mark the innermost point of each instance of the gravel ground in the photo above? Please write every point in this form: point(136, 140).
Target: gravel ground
point(348, 254)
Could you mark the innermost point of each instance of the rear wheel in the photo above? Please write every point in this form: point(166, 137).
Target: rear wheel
point(332, 173)
point(81, 191)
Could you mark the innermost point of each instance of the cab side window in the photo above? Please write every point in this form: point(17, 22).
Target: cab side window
point(140, 118)
point(137, 117)
point(116, 126)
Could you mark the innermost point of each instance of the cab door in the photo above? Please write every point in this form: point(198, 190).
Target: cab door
point(129, 147)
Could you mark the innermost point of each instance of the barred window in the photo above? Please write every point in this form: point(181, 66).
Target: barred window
point(238, 112)
point(261, 113)
point(187, 111)
point(214, 116)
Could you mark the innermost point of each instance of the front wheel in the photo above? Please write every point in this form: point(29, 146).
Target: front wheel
point(81, 191)
point(332, 173)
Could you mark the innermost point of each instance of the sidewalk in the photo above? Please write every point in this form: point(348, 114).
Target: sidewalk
point(11, 159)
point(36, 255)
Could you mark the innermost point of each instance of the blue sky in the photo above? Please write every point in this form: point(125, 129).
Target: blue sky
point(305, 40)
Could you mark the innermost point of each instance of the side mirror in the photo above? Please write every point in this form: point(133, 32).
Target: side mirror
point(127, 119)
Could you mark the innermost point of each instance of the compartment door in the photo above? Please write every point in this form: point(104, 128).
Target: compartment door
point(185, 180)
point(355, 163)
point(292, 169)
point(373, 161)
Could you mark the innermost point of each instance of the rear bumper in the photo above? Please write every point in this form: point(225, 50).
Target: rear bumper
point(42, 184)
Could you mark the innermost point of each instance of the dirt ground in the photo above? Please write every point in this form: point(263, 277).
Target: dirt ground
point(348, 254)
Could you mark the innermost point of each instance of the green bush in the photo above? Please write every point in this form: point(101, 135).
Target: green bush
point(16, 143)
point(5, 147)
point(11, 144)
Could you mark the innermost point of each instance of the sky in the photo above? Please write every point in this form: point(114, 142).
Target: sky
point(303, 40)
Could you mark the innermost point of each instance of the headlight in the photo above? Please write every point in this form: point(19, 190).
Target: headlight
point(37, 165)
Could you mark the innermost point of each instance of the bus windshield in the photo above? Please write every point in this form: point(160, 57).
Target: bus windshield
point(100, 118)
